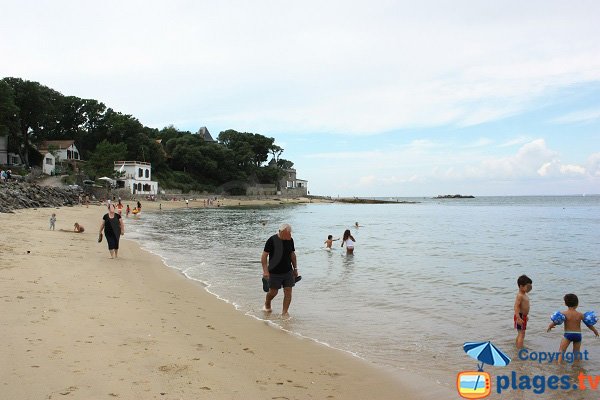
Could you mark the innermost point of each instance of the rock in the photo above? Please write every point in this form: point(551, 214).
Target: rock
point(17, 195)
point(454, 196)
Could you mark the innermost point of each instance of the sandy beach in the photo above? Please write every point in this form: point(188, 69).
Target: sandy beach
point(77, 324)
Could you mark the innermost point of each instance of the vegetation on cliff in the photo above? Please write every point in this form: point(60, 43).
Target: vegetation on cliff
point(31, 113)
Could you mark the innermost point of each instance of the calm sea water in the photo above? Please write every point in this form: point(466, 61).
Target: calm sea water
point(424, 278)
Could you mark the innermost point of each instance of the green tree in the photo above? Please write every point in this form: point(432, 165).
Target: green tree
point(37, 113)
point(8, 112)
point(284, 164)
point(102, 160)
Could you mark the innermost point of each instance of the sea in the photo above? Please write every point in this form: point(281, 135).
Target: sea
point(425, 278)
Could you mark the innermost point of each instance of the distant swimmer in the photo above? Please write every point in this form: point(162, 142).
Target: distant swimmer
point(349, 241)
point(329, 241)
point(356, 225)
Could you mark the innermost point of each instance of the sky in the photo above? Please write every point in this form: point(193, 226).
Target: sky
point(367, 98)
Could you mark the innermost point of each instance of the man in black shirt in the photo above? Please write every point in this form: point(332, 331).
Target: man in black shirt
point(281, 268)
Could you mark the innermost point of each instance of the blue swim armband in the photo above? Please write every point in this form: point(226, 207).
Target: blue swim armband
point(590, 318)
point(558, 318)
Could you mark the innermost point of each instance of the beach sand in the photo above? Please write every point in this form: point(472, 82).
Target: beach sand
point(79, 325)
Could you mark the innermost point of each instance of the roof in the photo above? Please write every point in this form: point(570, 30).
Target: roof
point(59, 144)
point(205, 134)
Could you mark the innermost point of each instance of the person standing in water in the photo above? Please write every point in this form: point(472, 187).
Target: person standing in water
point(349, 241)
point(281, 268)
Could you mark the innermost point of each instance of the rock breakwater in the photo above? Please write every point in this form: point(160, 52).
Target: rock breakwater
point(17, 195)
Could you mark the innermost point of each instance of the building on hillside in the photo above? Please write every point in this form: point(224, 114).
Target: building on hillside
point(7, 158)
point(205, 134)
point(290, 185)
point(64, 152)
point(3, 150)
point(136, 176)
point(48, 163)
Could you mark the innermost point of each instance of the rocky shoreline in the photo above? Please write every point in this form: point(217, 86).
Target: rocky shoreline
point(454, 196)
point(18, 195)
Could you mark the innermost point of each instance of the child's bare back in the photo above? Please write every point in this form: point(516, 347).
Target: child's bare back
point(573, 320)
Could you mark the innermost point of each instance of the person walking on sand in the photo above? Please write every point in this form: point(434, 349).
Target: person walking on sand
point(281, 268)
point(522, 308)
point(112, 225)
point(127, 211)
point(349, 241)
point(52, 221)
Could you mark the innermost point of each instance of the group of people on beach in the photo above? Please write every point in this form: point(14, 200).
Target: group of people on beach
point(280, 265)
point(571, 317)
point(77, 228)
point(347, 239)
point(5, 175)
point(111, 228)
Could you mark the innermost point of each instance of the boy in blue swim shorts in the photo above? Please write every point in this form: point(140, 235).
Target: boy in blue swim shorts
point(573, 320)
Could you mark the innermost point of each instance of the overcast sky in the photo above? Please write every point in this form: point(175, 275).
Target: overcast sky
point(368, 98)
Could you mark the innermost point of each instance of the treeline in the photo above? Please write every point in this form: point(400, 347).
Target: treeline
point(31, 113)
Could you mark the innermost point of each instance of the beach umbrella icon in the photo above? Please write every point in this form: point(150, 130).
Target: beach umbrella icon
point(487, 353)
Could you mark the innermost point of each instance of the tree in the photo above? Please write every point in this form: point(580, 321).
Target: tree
point(8, 111)
point(37, 106)
point(284, 164)
point(275, 151)
point(102, 160)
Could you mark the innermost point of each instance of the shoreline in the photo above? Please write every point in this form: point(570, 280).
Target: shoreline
point(79, 323)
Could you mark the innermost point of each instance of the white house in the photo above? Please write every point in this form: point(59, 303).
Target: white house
point(64, 150)
point(136, 176)
point(49, 163)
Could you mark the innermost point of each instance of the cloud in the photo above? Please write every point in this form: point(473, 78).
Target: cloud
point(555, 168)
point(582, 116)
point(593, 165)
point(352, 68)
point(516, 141)
point(481, 142)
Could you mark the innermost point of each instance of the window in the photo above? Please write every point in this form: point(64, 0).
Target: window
point(76, 155)
point(139, 187)
point(147, 173)
point(48, 161)
point(140, 173)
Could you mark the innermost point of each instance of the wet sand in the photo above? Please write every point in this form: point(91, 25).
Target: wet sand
point(79, 324)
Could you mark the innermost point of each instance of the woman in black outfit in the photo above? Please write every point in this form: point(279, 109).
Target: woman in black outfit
point(113, 227)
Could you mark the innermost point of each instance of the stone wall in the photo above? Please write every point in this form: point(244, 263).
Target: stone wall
point(16, 195)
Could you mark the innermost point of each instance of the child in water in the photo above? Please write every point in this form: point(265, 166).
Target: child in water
point(329, 241)
point(573, 320)
point(349, 241)
point(522, 308)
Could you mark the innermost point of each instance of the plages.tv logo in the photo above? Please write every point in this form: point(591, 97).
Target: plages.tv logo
point(478, 384)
